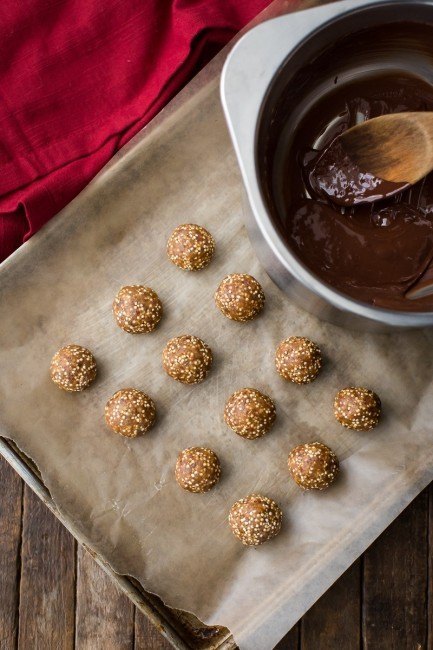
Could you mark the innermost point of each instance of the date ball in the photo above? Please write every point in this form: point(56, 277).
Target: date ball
point(137, 309)
point(198, 469)
point(190, 247)
point(357, 408)
point(130, 412)
point(73, 368)
point(187, 359)
point(240, 297)
point(249, 413)
point(298, 359)
point(255, 519)
point(313, 466)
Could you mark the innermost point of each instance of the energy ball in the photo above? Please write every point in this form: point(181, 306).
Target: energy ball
point(130, 412)
point(190, 247)
point(198, 469)
point(73, 368)
point(240, 297)
point(298, 359)
point(357, 408)
point(255, 519)
point(313, 466)
point(249, 413)
point(187, 359)
point(137, 309)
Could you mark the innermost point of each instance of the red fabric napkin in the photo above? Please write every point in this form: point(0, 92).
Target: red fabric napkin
point(78, 78)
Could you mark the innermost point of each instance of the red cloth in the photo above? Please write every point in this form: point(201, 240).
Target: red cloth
point(78, 78)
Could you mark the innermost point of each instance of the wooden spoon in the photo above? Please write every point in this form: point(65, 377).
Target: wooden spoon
point(397, 147)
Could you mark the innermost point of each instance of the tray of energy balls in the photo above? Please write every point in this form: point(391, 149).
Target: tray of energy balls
point(222, 448)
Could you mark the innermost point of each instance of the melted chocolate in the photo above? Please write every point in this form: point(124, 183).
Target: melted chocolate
point(332, 174)
point(369, 239)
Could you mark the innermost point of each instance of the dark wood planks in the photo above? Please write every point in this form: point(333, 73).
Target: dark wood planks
point(397, 609)
point(104, 615)
point(395, 583)
point(335, 620)
point(292, 640)
point(47, 588)
point(11, 495)
point(430, 569)
point(147, 636)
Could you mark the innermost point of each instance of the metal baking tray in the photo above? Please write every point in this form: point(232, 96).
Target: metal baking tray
point(183, 630)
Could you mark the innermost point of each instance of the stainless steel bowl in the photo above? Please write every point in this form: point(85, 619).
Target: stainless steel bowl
point(257, 71)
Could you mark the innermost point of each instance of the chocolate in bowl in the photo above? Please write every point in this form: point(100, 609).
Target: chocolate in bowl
point(375, 252)
point(278, 77)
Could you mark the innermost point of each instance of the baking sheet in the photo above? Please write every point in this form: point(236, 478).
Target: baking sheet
point(58, 289)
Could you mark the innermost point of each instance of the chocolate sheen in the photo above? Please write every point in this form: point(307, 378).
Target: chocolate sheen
point(368, 238)
point(333, 174)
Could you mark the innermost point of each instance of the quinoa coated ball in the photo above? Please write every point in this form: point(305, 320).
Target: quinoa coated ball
point(240, 297)
point(255, 519)
point(73, 368)
point(357, 408)
point(187, 359)
point(249, 413)
point(298, 359)
point(130, 412)
point(313, 466)
point(137, 309)
point(190, 247)
point(198, 469)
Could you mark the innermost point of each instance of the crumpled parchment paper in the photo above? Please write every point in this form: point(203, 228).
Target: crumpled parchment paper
point(58, 289)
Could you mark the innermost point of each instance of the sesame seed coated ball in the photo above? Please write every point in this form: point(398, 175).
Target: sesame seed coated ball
point(187, 359)
point(249, 413)
point(357, 408)
point(190, 247)
point(137, 309)
point(130, 412)
point(240, 297)
point(313, 466)
point(298, 359)
point(198, 469)
point(73, 368)
point(255, 519)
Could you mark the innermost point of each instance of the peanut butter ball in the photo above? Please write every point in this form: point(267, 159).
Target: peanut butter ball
point(255, 519)
point(187, 359)
point(357, 408)
point(298, 359)
point(137, 309)
point(190, 247)
point(313, 466)
point(249, 413)
point(240, 297)
point(198, 469)
point(73, 368)
point(130, 412)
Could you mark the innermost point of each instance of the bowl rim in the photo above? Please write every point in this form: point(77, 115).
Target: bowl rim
point(319, 20)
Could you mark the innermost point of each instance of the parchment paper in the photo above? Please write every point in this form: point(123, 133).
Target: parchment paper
point(58, 289)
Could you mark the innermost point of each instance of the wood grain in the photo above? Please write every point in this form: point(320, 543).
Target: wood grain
point(397, 589)
point(147, 636)
point(47, 588)
point(395, 583)
point(430, 569)
point(397, 147)
point(292, 640)
point(335, 620)
point(11, 495)
point(104, 615)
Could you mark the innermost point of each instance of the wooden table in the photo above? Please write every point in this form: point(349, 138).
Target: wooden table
point(53, 596)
